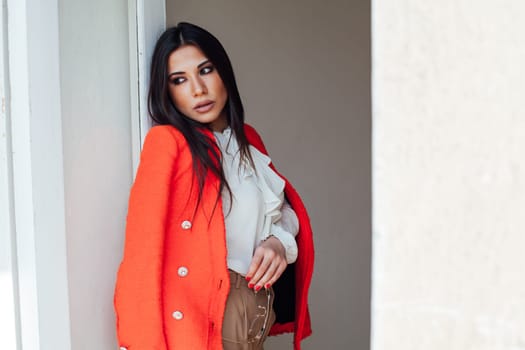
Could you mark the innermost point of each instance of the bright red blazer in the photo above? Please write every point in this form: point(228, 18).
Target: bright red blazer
point(173, 282)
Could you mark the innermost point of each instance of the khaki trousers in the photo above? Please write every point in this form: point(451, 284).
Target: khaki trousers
point(248, 315)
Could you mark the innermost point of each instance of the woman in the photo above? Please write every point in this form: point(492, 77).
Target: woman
point(218, 250)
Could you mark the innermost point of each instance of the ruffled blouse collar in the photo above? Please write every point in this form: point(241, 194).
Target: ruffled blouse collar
point(269, 183)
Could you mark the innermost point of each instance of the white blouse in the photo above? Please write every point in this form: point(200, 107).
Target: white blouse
point(257, 209)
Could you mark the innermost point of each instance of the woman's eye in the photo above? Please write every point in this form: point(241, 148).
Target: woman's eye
point(177, 81)
point(206, 70)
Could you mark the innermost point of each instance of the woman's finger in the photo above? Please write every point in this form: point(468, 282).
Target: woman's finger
point(272, 273)
point(280, 269)
point(268, 263)
point(267, 276)
point(267, 258)
point(254, 265)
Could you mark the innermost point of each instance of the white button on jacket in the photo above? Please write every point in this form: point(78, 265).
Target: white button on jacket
point(182, 271)
point(177, 315)
point(186, 225)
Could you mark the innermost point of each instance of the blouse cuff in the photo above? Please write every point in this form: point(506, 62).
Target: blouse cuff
point(285, 231)
point(287, 240)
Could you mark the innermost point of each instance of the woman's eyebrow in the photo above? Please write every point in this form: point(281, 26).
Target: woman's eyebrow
point(198, 66)
point(203, 63)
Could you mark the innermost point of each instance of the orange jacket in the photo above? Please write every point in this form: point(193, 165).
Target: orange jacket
point(173, 282)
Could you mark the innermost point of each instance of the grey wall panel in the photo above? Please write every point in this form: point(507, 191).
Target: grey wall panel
point(303, 70)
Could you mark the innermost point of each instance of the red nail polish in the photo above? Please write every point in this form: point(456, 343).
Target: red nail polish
point(248, 278)
point(257, 288)
point(250, 285)
point(267, 285)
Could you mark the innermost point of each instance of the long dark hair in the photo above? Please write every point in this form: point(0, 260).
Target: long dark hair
point(206, 155)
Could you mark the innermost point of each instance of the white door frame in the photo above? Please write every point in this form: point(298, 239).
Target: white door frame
point(33, 265)
point(10, 316)
point(33, 253)
point(147, 20)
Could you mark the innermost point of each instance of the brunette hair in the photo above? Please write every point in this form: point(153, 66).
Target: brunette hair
point(205, 153)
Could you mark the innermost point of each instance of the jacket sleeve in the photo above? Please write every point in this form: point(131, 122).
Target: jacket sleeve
point(138, 290)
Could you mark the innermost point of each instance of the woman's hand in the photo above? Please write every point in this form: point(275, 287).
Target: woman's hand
point(268, 264)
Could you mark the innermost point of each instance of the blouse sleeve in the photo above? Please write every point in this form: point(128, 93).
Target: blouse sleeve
point(285, 230)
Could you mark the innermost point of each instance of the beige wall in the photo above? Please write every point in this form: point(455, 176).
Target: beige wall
point(449, 168)
point(94, 71)
point(303, 69)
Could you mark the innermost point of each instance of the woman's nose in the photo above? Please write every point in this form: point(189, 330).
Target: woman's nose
point(199, 88)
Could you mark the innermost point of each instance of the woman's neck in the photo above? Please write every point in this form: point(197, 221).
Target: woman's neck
point(220, 123)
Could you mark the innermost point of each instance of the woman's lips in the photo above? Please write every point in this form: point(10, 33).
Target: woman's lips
point(205, 107)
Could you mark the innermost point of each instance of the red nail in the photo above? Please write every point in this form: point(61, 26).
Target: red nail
point(248, 278)
point(267, 285)
point(257, 288)
point(250, 285)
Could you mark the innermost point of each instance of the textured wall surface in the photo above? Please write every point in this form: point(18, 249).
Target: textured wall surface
point(303, 70)
point(448, 175)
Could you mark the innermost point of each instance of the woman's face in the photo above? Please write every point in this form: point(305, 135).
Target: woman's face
point(196, 88)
